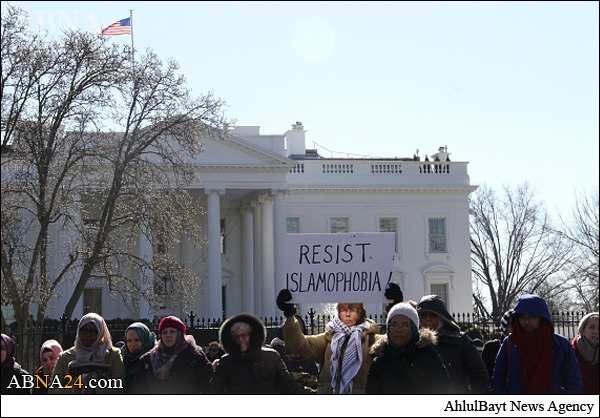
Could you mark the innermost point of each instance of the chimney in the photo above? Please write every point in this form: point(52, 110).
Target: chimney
point(296, 140)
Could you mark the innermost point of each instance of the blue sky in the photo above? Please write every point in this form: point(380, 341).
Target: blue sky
point(510, 87)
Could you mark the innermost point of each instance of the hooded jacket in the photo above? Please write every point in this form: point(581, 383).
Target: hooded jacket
point(566, 376)
point(258, 371)
point(467, 370)
point(418, 370)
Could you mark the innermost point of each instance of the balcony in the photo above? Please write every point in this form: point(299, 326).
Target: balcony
point(378, 173)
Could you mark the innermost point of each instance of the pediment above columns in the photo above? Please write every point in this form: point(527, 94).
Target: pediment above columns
point(236, 153)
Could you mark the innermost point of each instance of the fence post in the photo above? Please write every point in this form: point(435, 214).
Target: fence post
point(192, 316)
point(311, 315)
point(64, 323)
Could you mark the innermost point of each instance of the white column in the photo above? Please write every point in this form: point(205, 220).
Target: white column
point(247, 260)
point(215, 281)
point(147, 283)
point(257, 256)
point(280, 238)
point(189, 256)
point(268, 264)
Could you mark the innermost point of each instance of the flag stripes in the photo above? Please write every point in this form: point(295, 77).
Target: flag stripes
point(120, 27)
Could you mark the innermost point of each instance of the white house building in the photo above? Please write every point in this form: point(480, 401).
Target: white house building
point(257, 188)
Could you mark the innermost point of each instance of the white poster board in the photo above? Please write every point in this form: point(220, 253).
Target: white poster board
point(349, 267)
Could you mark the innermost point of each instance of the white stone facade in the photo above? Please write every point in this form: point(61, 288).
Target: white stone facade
point(256, 183)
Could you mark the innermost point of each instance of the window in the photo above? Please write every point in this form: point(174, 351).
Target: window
point(92, 301)
point(293, 225)
point(339, 225)
point(440, 289)
point(437, 235)
point(158, 243)
point(163, 288)
point(390, 225)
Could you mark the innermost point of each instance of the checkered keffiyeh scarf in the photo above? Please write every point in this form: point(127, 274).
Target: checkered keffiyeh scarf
point(352, 357)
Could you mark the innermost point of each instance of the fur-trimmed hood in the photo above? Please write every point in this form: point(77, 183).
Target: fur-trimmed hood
point(426, 337)
point(257, 340)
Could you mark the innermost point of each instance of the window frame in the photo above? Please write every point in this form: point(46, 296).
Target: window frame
point(433, 239)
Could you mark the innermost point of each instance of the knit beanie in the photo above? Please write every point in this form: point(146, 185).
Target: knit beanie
point(405, 309)
point(171, 322)
point(505, 321)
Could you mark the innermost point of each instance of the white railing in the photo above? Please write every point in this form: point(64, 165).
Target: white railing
point(381, 172)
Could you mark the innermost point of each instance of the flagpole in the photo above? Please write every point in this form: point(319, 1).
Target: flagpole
point(131, 24)
point(132, 51)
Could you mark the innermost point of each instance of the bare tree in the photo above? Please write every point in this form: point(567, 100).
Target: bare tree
point(94, 150)
point(582, 229)
point(514, 250)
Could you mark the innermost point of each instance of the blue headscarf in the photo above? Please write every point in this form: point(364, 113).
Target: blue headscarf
point(130, 359)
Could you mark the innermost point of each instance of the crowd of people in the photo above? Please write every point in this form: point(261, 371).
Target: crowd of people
point(422, 352)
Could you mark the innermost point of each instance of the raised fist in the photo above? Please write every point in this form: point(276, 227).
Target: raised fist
point(283, 297)
point(394, 293)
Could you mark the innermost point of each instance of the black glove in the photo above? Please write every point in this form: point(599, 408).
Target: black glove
point(394, 293)
point(282, 298)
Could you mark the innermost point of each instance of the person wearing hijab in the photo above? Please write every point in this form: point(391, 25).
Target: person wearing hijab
point(138, 341)
point(406, 361)
point(342, 350)
point(49, 354)
point(534, 360)
point(92, 365)
point(175, 366)
point(12, 374)
point(468, 374)
point(585, 345)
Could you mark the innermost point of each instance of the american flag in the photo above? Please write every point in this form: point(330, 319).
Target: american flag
point(120, 27)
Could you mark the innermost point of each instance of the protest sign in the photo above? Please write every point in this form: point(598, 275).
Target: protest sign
point(348, 267)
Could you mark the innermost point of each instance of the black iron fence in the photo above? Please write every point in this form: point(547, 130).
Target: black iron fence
point(30, 339)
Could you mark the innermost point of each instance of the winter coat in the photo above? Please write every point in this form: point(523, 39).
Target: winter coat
point(418, 369)
point(589, 372)
point(489, 353)
point(317, 348)
point(468, 372)
point(257, 371)
point(8, 374)
point(115, 370)
point(566, 376)
point(190, 374)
